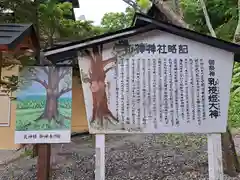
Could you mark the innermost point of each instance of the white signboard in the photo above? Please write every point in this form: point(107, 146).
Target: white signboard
point(158, 83)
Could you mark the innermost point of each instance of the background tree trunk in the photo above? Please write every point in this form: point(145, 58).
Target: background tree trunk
point(230, 159)
point(165, 12)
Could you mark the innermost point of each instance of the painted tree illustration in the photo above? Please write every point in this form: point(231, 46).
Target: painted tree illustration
point(96, 78)
point(57, 82)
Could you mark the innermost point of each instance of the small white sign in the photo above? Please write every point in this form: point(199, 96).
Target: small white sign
point(34, 137)
point(156, 83)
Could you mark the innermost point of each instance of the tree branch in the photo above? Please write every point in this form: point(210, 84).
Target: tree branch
point(236, 38)
point(208, 22)
point(86, 80)
point(110, 60)
point(108, 69)
point(64, 73)
point(43, 83)
point(45, 70)
point(90, 54)
point(178, 8)
point(63, 91)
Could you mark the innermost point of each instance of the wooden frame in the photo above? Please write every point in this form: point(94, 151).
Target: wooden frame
point(9, 111)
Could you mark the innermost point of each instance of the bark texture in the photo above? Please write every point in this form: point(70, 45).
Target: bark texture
point(165, 13)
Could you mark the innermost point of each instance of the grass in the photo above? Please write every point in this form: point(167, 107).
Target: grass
point(28, 110)
point(234, 112)
point(27, 153)
point(182, 140)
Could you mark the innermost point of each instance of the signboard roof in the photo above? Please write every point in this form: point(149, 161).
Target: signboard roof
point(12, 35)
point(148, 25)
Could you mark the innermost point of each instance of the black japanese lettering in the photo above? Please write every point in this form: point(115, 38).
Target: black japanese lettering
point(213, 113)
point(162, 49)
point(142, 48)
point(213, 91)
point(183, 49)
point(172, 48)
point(151, 48)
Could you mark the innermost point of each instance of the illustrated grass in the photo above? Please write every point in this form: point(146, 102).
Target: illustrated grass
point(28, 110)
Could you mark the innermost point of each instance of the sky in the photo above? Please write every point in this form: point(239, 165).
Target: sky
point(37, 89)
point(95, 9)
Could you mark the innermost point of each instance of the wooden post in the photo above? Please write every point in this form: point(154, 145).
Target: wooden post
point(35, 150)
point(1, 63)
point(43, 164)
point(100, 157)
point(215, 164)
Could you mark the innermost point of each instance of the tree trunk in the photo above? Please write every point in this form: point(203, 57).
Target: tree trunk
point(171, 17)
point(97, 75)
point(230, 158)
point(236, 37)
point(100, 106)
point(178, 8)
point(50, 112)
point(1, 64)
point(51, 108)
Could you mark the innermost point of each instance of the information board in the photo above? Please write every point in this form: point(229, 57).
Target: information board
point(156, 83)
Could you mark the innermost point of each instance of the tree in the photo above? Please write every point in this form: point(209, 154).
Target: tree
point(236, 37)
point(54, 26)
point(51, 17)
point(144, 5)
point(116, 21)
point(223, 15)
point(8, 60)
point(163, 10)
point(177, 7)
point(229, 151)
point(77, 30)
point(22, 10)
point(96, 79)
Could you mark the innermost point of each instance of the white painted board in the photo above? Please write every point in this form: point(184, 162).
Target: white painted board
point(163, 84)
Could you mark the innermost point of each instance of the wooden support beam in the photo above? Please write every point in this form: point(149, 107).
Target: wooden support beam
point(43, 164)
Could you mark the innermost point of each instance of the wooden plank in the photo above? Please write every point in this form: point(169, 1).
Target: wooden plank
point(100, 157)
point(215, 164)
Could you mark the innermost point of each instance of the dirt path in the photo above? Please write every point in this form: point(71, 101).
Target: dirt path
point(138, 157)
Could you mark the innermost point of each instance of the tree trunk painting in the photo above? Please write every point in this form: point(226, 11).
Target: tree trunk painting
point(54, 82)
point(96, 78)
point(52, 93)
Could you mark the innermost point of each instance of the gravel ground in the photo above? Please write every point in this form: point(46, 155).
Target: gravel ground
point(138, 157)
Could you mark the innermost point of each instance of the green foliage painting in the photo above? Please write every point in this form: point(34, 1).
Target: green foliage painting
point(44, 99)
